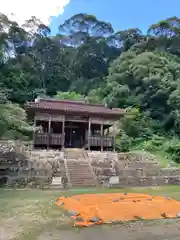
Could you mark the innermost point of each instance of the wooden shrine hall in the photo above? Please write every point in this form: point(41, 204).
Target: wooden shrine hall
point(72, 124)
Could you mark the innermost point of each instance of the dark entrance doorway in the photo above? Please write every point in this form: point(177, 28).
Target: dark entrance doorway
point(74, 137)
point(3, 181)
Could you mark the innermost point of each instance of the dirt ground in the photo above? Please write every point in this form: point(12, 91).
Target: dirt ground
point(162, 230)
point(33, 215)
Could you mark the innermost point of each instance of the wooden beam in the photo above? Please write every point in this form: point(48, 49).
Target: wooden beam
point(89, 133)
point(102, 137)
point(63, 132)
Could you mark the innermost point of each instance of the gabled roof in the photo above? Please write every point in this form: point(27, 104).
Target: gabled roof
point(70, 106)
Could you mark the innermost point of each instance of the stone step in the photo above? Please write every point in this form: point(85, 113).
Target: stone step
point(80, 169)
point(77, 173)
point(75, 154)
point(80, 174)
point(79, 166)
point(81, 179)
point(81, 182)
point(83, 185)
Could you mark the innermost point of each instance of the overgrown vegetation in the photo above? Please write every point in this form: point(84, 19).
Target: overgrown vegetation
point(88, 60)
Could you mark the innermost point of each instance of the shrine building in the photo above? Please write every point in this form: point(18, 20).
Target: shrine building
point(72, 124)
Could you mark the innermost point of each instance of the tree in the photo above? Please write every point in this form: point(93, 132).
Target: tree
point(80, 28)
point(69, 96)
point(145, 81)
point(13, 122)
point(126, 39)
point(88, 61)
point(92, 53)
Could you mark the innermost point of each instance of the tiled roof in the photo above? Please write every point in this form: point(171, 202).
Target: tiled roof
point(74, 106)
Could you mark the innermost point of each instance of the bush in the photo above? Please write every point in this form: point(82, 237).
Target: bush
point(173, 148)
point(157, 141)
point(124, 143)
point(136, 125)
point(153, 145)
point(176, 157)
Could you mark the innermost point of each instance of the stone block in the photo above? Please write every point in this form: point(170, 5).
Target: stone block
point(129, 172)
point(169, 172)
point(174, 180)
point(150, 172)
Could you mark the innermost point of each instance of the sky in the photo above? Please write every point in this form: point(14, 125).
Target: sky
point(122, 14)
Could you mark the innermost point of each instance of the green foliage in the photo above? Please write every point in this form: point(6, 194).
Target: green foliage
point(123, 143)
point(136, 125)
point(156, 143)
point(173, 148)
point(69, 95)
point(13, 122)
point(88, 61)
point(94, 96)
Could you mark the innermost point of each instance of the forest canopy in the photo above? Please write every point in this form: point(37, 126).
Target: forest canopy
point(88, 59)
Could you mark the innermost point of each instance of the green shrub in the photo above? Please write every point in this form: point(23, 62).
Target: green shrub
point(157, 141)
point(152, 145)
point(173, 147)
point(123, 144)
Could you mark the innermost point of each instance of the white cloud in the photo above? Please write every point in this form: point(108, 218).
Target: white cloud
point(21, 10)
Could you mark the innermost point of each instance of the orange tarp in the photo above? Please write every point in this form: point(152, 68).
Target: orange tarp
point(92, 209)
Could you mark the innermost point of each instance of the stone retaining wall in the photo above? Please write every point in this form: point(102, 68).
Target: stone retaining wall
point(136, 161)
point(103, 164)
point(166, 172)
point(146, 181)
point(21, 166)
point(133, 169)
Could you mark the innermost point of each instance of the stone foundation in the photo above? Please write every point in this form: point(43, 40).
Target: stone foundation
point(103, 164)
point(22, 167)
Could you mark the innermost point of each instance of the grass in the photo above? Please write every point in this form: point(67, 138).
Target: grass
point(163, 158)
point(25, 214)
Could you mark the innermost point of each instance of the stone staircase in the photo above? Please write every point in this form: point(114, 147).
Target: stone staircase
point(78, 168)
point(74, 153)
point(80, 174)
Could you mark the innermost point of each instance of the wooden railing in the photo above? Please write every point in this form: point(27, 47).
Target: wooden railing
point(48, 139)
point(108, 141)
point(56, 139)
point(95, 141)
point(41, 139)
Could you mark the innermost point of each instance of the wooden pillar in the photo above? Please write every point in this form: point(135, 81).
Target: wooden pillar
point(34, 132)
point(49, 131)
point(89, 133)
point(114, 139)
point(63, 132)
point(107, 132)
point(102, 137)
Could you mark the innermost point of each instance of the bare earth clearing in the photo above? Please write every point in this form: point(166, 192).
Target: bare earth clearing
point(32, 214)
